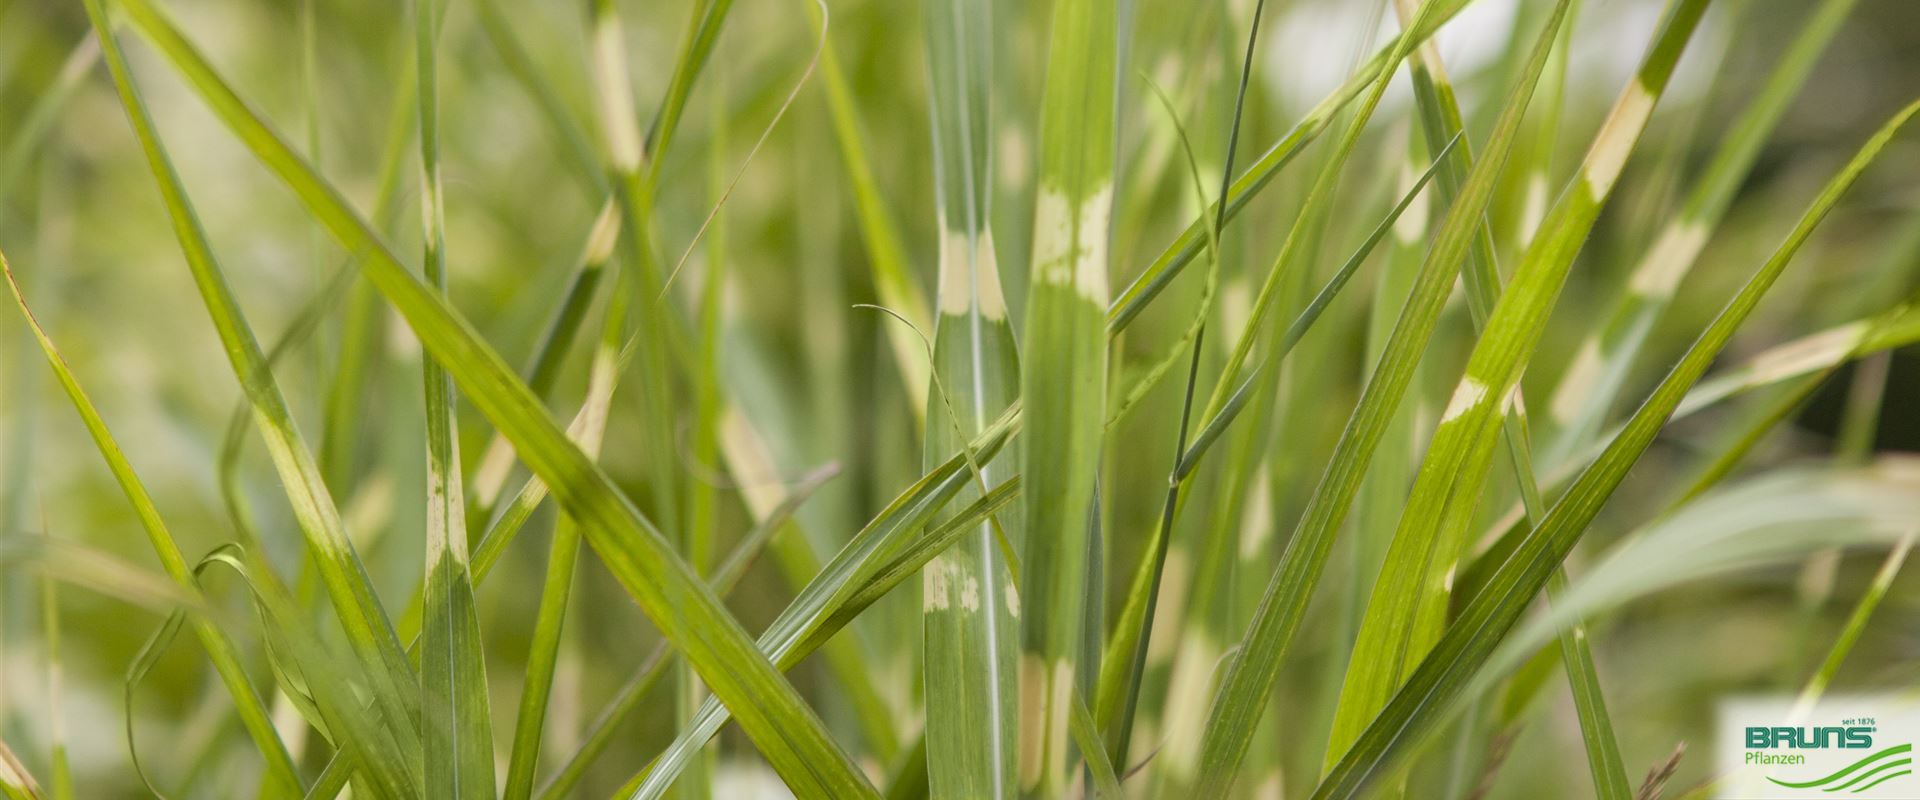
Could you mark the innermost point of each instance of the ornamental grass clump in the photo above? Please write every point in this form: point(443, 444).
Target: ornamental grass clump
point(954, 399)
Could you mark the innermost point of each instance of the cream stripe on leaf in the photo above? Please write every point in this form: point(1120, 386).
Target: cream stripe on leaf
point(1395, 631)
point(1401, 622)
point(1064, 375)
point(1583, 398)
point(456, 729)
point(970, 639)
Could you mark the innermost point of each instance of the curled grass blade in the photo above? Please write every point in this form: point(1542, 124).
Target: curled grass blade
point(227, 663)
point(302, 665)
point(368, 629)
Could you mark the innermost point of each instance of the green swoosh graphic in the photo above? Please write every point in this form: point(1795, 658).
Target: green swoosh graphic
point(1847, 770)
point(1883, 780)
point(1870, 773)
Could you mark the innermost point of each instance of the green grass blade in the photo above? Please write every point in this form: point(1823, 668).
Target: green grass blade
point(307, 672)
point(1304, 321)
point(771, 712)
point(970, 631)
point(226, 659)
point(703, 497)
point(496, 462)
point(1429, 693)
point(1064, 373)
point(1592, 383)
point(1121, 676)
point(281, 775)
point(709, 16)
point(233, 444)
point(358, 609)
point(1807, 359)
point(1816, 685)
point(630, 163)
point(360, 338)
point(1771, 519)
point(542, 370)
point(1536, 178)
point(542, 659)
point(851, 600)
point(1086, 736)
point(456, 727)
point(360, 331)
point(600, 733)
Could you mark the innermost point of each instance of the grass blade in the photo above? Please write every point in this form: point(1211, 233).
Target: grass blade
point(970, 632)
point(310, 676)
point(1064, 374)
point(62, 781)
point(543, 653)
point(1127, 667)
point(456, 725)
point(575, 146)
point(724, 579)
point(1856, 622)
point(34, 125)
point(1808, 359)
